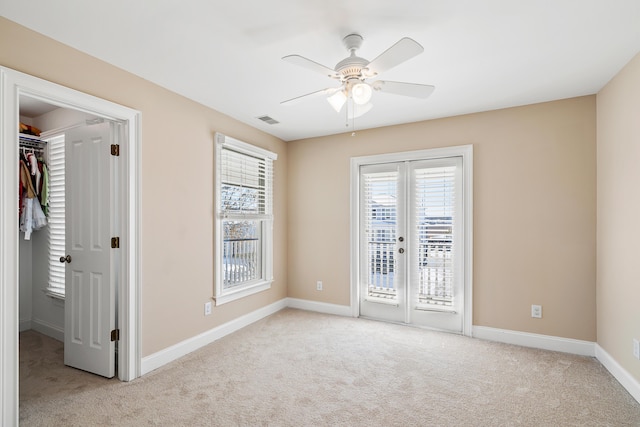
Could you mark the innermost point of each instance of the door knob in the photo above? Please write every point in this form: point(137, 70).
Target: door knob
point(401, 250)
point(65, 258)
point(400, 239)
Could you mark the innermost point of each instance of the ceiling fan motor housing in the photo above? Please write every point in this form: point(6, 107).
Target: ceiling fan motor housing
point(351, 67)
point(352, 41)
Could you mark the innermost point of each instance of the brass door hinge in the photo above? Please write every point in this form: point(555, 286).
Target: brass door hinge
point(115, 149)
point(115, 242)
point(115, 335)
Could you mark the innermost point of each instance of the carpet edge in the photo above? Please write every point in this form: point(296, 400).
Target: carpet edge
point(176, 351)
point(619, 373)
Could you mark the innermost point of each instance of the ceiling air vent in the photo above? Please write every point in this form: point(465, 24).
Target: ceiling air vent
point(269, 120)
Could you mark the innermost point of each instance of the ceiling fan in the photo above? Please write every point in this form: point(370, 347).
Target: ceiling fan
point(353, 73)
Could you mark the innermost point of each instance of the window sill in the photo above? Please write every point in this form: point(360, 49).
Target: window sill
point(241, 293)
point(54, 293)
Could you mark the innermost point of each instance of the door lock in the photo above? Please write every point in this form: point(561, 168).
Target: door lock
point(401, 250)
point(66, 259)
point(400, 239)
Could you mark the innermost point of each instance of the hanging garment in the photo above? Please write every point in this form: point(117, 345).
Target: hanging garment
point(25, 178)
point(32, 217)
point(26, 220)
point(31, 214)
point(44, 194)
point(20, 189)
point(35, 172)
point(39, 218)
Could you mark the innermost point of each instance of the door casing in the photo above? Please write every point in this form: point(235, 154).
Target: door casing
point(14, 84)
point(463, 151)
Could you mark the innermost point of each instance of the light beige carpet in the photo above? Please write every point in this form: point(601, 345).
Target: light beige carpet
point(297, 368)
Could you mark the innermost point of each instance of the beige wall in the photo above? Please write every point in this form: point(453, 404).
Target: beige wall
point(177, 186)
point(534, 211)
point(618, 232)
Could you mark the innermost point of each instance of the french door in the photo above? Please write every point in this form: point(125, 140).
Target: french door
point(410, 242)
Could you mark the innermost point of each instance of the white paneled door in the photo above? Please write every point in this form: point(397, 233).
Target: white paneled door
point(90, 288)
point(410, 243)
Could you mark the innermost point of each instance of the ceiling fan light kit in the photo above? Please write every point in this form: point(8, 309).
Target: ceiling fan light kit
point(337, 100)
point(353, 71)
point(361, 93)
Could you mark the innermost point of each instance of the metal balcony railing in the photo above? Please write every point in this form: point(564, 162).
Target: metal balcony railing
point(240, 261)
point(435, 271)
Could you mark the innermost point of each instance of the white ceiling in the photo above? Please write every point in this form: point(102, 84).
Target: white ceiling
point(480, 54)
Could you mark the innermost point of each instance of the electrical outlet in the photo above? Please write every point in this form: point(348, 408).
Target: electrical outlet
point(319, 285)
point(536, 311)
point(207, 308)
point(636, 348)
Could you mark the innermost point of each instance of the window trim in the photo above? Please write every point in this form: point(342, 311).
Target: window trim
point(220, 295)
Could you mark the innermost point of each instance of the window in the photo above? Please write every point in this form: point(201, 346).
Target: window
point(56, 216)
point(244, 223)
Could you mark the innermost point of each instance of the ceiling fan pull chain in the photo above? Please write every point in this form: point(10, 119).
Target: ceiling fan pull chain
point(346, 115)
point(353, 118)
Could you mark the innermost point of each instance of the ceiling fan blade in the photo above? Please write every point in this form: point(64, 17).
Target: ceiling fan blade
point(311, 65)
point(402, 51)
point(413, 90)
point(327, 91)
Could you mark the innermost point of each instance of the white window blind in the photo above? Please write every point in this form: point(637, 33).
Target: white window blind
point(56, 165)
point(245, 218)
point(435, 222)
point(246, 189)
point(380, 194)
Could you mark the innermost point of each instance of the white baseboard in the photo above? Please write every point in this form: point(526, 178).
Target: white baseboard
point(545, 342)
point(321, 307)
point(185, 347)
point(169, 354)
point(25, 325)
point(619, 373)
point(48, 329)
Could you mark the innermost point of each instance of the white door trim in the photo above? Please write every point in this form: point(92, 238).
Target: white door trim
point(12, 85)
point(464, 151)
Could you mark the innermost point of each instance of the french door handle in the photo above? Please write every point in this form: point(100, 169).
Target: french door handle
point(66, 259)
point(401, 250)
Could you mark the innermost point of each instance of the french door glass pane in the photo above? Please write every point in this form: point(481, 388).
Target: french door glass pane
point(241, 252)
point(434, 222)
point(380, 194)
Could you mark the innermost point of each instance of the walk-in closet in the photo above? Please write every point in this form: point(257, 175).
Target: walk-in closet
point(42, 214)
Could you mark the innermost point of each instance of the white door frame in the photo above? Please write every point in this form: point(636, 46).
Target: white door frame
point(464, 151)
point(13, 84)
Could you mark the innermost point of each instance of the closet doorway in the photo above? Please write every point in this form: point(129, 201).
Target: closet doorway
point(67, 275)
point(124, 209)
